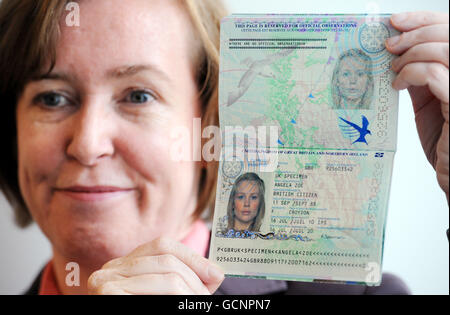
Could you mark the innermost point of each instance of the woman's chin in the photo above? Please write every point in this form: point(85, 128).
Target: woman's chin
point(93, 245)
point(353, 99)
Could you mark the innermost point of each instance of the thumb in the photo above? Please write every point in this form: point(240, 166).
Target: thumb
point(215, 277)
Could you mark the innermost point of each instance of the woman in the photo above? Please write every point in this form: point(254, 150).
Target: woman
point(95, 105)
point(246, 206)
point(352, 81)
point(86, 112)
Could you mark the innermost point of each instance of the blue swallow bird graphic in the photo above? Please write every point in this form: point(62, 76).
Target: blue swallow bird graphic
point(363, 131)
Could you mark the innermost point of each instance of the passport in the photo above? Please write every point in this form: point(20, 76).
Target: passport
point(308, 119)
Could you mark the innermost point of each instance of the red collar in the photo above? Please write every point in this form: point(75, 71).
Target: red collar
point(49, 285)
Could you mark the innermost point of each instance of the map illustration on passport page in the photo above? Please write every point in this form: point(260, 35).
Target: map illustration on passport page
point(309, 130)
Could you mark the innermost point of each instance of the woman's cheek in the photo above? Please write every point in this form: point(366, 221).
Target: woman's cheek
point(143, 146)
point(153, 138)
point(237, 205)
point(41, 152)
point(343, 83)
point(362, 82)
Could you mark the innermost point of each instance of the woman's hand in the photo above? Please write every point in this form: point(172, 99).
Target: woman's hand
point(162, 266)
point(423, 68)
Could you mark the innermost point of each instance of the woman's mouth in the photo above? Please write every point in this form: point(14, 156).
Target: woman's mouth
point(93, 193)
point(352, 91)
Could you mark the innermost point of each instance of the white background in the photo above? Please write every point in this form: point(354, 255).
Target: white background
point(416, 246)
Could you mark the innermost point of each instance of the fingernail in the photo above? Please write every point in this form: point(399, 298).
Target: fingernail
point(214, 272)
point(399, 18)
point(399, 84)
point(393, 41)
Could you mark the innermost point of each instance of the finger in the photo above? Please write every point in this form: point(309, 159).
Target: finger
point(113, 290)
point(432, 74)
point(113, 263)
point(208, 272)
point(432, 33)
point(162, 264)
point(427, 52)
point(110, 288)
point(150, 284)
point(408, 21)
point(98, 278)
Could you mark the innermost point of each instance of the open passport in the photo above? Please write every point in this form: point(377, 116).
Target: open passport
point(309, 129)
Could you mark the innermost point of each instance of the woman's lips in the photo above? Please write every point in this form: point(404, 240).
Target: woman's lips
point(353, 91)
point(95, 193)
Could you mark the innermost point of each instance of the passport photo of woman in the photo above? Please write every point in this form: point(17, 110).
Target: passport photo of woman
point(246, 206)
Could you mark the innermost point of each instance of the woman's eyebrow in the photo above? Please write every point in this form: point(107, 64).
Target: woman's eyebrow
point(53, 76)
point(127, 71)
point(246, 193)
point(117, 73)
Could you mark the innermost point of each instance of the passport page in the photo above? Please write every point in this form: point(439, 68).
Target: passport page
point(309, 125)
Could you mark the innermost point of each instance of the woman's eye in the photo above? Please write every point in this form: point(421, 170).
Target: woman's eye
point(240, 197)
point(140, 97)
point(52, 99)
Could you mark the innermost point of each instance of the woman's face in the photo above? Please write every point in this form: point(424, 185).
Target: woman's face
point(246, 201)
point(352, 79)
point(95, 167)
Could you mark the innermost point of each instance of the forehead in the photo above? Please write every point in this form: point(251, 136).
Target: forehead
point(350, 62)
point(248, 187)
point(113, 33)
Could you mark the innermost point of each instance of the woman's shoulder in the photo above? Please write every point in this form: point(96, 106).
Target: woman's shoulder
point(34, 288)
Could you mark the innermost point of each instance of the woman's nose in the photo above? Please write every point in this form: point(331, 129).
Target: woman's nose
point(91, 135)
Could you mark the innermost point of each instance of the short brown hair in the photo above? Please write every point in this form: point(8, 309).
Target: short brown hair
point(29, 31)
